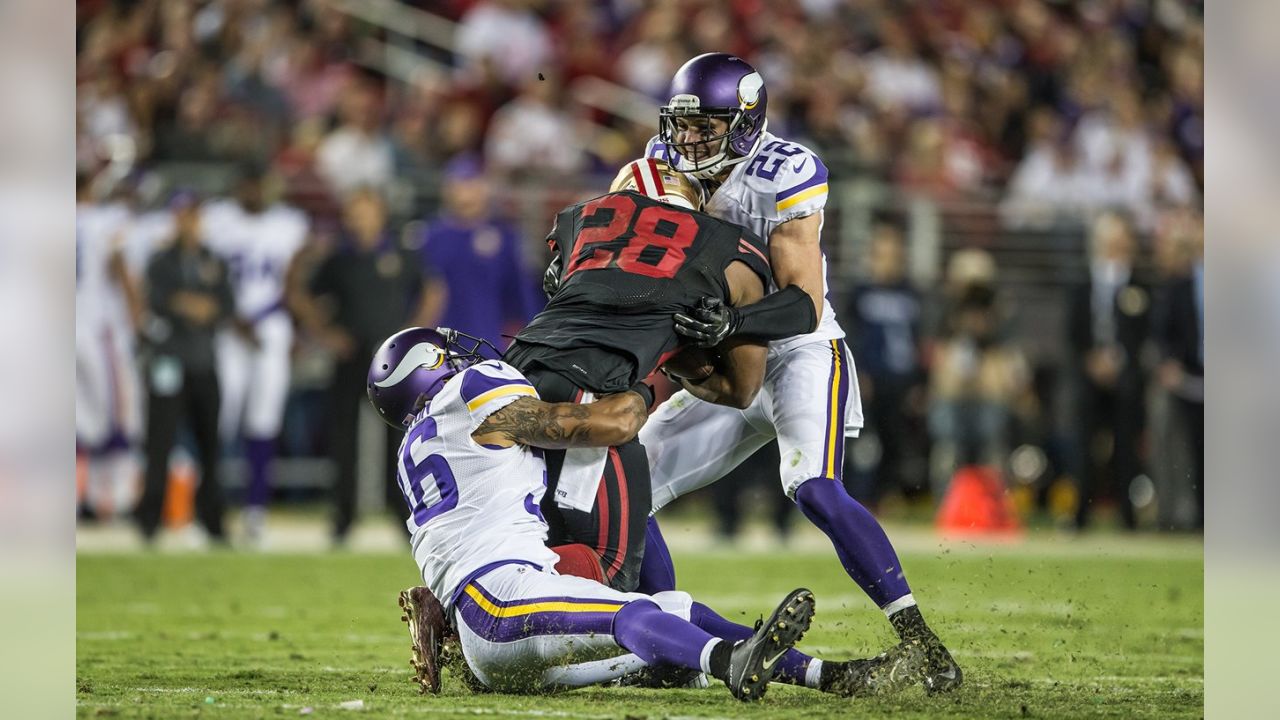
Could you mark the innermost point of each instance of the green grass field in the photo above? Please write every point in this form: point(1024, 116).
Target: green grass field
point(1042, 631)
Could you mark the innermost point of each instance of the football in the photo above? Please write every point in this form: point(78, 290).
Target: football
point(691, 363)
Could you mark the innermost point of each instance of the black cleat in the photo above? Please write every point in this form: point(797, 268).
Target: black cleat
point(897, 668)
point(942, 673)
point(427, 629)
point(754, 660)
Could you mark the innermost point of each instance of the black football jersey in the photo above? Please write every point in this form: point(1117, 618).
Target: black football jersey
point(628, 263)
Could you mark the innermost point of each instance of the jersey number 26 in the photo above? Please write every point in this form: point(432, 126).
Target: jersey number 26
point(426, 501)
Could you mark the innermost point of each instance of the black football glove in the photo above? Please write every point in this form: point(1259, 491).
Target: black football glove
point(711, 322)
point(551, 277)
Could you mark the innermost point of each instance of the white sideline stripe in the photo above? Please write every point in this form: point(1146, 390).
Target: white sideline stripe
point(206, 691)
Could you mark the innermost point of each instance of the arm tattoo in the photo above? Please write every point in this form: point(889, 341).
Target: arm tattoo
point(530, 421)
point(638, 409)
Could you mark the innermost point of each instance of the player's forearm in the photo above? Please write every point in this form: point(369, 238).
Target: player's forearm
point(796, 257)
point(786, 313)
point(737, 379)
point(718, 390)
point(613, 420)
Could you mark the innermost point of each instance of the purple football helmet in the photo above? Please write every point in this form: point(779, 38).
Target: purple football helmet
point(721, 86)
point(413, 365)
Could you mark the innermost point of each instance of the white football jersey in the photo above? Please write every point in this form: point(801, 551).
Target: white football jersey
point(781, 182)
point(471, 505)
point(101, 231)
point(257, 249)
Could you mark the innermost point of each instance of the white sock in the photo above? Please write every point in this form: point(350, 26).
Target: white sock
point(813, 673)
point(704, 659)
point(899, 605)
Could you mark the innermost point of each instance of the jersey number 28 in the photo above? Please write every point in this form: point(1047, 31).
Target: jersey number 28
point(651, 242)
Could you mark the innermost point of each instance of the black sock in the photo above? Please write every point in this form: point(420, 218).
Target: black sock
point(910, 624)
point(719, 660)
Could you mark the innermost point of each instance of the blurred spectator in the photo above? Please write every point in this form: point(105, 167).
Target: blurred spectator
point(648, 64)
point(295, 166)
point(979, 385)
point(534, 135)
point(1177, 237)
point(357, 153)
point(1050, 185)
point(258, 241)
point(1107, 326)
point(312, 84)
point(897, 77)
point(104, 112)
point(460, 128)
point(478, 259)
point(883, 318)
point(1179, 333)
point(189, 297)
point(363, 292)
point(1113, 143)
point(966, 268)
point(508, 33)
point(581, 38)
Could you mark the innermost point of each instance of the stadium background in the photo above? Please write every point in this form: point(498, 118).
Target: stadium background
point(996, 137)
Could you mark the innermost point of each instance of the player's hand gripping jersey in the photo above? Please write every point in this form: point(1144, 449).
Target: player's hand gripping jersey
point(629, 262)
point(782, 181)
point(471, 505)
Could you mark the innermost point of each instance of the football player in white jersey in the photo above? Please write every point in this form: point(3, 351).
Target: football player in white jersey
point(258, 243)
point(472, 473)
point(714, 128)
point(110, 256)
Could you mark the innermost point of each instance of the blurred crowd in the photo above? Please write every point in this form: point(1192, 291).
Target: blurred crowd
point(1079, 115)
point(1062, 107)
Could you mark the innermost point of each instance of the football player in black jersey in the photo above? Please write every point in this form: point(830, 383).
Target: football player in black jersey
point(626, 262)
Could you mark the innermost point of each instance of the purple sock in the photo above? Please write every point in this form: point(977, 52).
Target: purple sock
point(860, 542)
point(657, 572)
point(658, 637)
point(259, 454)
point(791, 667)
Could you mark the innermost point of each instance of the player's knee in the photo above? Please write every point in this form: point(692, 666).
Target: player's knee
point(823, 498)
point(634, 611)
